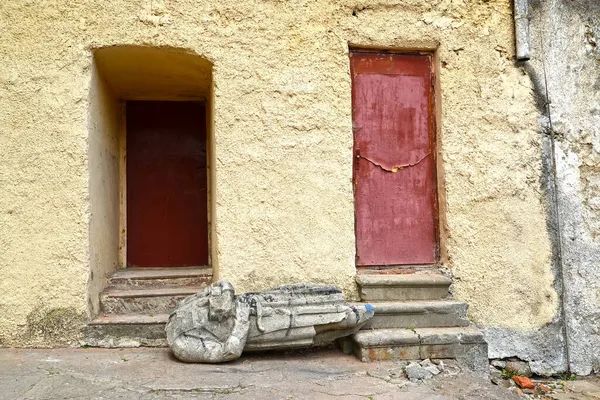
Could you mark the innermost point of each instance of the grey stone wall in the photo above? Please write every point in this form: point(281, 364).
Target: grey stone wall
point(565, 70)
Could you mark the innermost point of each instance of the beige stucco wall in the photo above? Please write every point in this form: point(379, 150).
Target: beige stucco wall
point(104, 126)
point(283, 139)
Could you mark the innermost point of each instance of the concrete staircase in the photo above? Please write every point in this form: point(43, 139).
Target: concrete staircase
point(137, 302)
point(414, 316)
point(416, 319)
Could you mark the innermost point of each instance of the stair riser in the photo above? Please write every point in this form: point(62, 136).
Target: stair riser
point(474, 353)
point(127, 284)
point(125, 335)
point(140, 305)
point(403, 293)
point(384, 321)
point(388, 353)
point(464, 344)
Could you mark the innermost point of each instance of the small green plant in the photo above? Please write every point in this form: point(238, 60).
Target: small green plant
point(508, 373)
point(568, 376)
point(85, 346)
point(124, 359)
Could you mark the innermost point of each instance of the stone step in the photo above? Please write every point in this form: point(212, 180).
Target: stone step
point(465, 344)
point(132, 330)
point(418, 314)
point(130, 319)
point(148, 278)
point(144, 301)
point(377, 287)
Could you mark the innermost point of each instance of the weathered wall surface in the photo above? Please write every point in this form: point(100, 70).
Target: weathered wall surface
point(104, 131)
point(566, 56)
point(283, 139)
point(44, 208)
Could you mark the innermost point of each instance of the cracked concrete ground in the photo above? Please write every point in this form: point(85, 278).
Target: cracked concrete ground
point(152, 373)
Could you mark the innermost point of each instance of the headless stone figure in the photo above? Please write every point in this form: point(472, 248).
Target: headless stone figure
point(216, 326)
point(210, 326)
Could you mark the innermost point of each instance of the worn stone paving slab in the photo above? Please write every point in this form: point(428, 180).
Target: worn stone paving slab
point(584, 389)
point(151, 373)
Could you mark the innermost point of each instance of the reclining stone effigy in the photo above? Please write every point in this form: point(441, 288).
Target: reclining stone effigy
point(215, 325)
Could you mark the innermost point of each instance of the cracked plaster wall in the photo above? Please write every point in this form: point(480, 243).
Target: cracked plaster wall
point(283, 140)
point(566, 55)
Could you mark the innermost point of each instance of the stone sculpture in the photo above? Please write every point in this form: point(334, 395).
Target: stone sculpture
point(215, 325)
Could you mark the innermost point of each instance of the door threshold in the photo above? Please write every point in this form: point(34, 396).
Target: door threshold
point(397, 269)
point(161, 273)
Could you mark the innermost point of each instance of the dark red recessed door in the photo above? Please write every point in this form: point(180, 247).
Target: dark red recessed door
point(167, 224)
point(394, 159)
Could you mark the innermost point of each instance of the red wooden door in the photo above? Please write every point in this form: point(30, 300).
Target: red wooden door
point(394, 159)
point(167, 224)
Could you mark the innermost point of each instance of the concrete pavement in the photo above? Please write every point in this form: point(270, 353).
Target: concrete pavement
point(152, 373)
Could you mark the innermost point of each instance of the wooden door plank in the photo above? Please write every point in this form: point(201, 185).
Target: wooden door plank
point(167, 224)
point(394, 150)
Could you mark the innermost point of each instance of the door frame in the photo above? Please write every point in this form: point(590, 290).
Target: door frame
point(123, 181)
point(435, 137)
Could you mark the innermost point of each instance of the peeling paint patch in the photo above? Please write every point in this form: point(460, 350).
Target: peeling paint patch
point(396, 168)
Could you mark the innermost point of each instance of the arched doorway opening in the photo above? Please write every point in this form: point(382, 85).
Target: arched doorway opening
point(150, 165)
